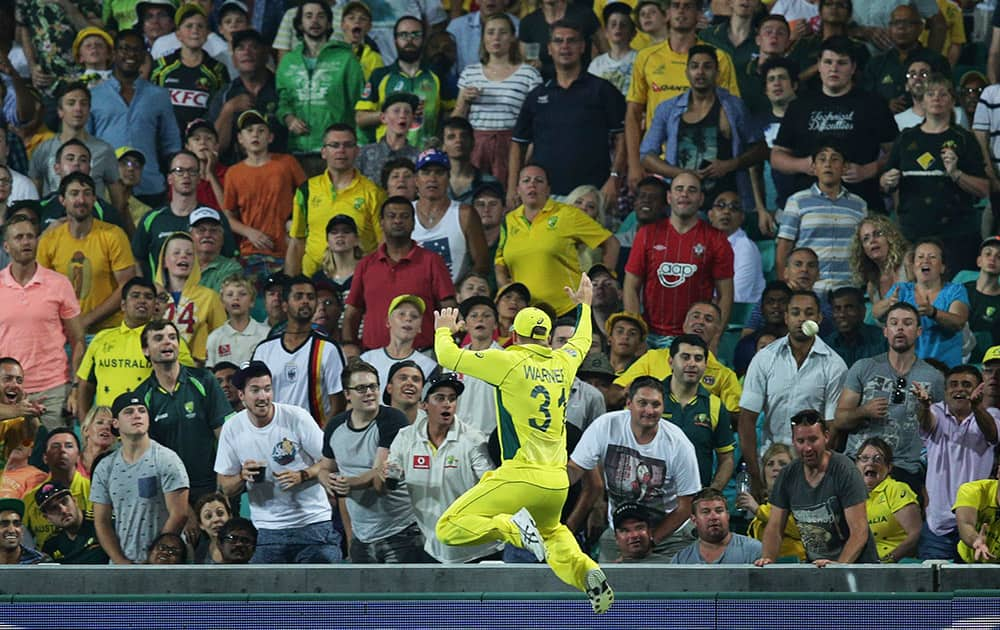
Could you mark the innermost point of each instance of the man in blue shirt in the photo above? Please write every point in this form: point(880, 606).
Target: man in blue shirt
point(130, 111)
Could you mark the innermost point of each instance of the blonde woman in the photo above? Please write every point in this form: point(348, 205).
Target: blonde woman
point(880, 257)
point(491, 94)
point(96, 438)
point(591, 200)
point(775, 458)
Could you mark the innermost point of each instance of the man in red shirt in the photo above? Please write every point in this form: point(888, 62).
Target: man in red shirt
point(677, 261)
point(396, 267)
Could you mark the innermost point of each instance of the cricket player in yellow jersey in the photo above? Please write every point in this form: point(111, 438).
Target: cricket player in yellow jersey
point(520, 502)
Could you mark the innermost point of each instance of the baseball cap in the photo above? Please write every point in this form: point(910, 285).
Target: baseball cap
point(187, 10)
point(342, 219)
point(449, 379)
point(250, 370)
point(514, 286)
point(49, 491)
point(145, 4)
point(196, 124)
point(477, 300)
point(125, 400)
point(989, 240)
point(406, 297)
point(204, 213)
point(12, 505)
point(433, 157)
point(530, 318)
point(597, 364)
point(357, 4)
point(627, 511)
point(90, 31)
point(629, 317)
point(121, 152)
point(400, 97)
point(993, 354)
point(276, 280)
point(250, 117)
point(241, 36)
point(488, 188)
point(616, 7)
point(399, 365)
point(233, 4)
point(597, 270)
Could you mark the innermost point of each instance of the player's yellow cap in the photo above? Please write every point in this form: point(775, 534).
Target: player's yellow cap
point(993, 354)
point(528, 320)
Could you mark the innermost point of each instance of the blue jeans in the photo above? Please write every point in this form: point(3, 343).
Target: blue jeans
point(658, 342)
point(405, 547)
point(935, 547)
point(318, 543)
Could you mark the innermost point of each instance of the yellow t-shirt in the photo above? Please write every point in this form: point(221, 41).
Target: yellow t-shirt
point(89, 263)
point(115, 364)
point(316, 202)
point(791, 540)
point(542, 253)
point(884, 501)
point(532, 388)
point(370, 59)
point(658, 74)
point(955, 33)
point(36, 523)
point(718, 379)
point(982, 496)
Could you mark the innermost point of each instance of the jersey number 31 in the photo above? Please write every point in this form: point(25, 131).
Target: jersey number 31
point(541, 392)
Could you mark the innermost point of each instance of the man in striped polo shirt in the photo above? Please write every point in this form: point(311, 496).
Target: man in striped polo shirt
point(824, 218)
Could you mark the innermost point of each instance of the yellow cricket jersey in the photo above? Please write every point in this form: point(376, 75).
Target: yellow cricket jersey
point(884, 501)
point(370, 59)
point(532, 388)
point(791, 539)
point(115, 364)
point(718, 379)
point(659, 75)
point(982, 496)
point(640, 40)
point(198, 312)
point(90, 264)
point(542, 253)
point(316, 202)
point(36, 523)
point(955, 33)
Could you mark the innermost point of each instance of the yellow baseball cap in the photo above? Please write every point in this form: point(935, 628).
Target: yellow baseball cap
point(993, 354)
point(629, 317)
point(121, 152)
point(91, 31)
point(530, 318)
point(187, 10)
point(415, 300)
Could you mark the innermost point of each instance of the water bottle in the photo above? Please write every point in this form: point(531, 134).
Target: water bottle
point(743, 485)
point(982, 20)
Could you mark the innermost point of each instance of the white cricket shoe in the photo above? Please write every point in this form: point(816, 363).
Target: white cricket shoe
point(599, 591)
point(531, 538)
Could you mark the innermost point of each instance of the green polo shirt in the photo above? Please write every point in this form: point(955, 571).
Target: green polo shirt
point(718, 36)
point(705, 422)
point(83, 549)
point(185, 420)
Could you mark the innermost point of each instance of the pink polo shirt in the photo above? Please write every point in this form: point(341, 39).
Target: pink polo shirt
point(31, 328)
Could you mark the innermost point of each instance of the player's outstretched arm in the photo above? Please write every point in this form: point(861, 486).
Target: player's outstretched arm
point(489, 365)
point(584, 294)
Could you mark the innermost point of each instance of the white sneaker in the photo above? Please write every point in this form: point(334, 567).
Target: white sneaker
point(599, 591)
point(531, 538)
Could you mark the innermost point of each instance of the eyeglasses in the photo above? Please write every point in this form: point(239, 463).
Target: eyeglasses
point(177, 170)
point(362, 389)
point(732, 205)
point(167, 549)
point(806, 418)
point(922, 74)
point(899, 394)
point(238, 540)
point(410, 35)
point(875, 459)
point(131, 162)
point(871, 236)
point(10, 523)
point(338, 145)
point(972, 90)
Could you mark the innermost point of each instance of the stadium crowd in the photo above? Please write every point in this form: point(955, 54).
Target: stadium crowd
point(227, 226)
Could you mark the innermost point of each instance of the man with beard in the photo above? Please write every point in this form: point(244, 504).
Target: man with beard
point(698, 413)
point(797, 372)
point(406, 74)
point(960, 435)
point(114, 363)
point(273, 451)
point(312, 362)
point(716, 543)
point(318, 84)
point(650, 206)
point(74, 156)
point(878, 401)
point(825, 493)
point(917, 72)
point(705, 130)
point(237, 541)
point(12, 551)
point(94, 255)
point(187, 408)
point(129, 111)
point(853, 339)
point(607, 296)
point(224, 372)
point(75, 540)
point(678, 261)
